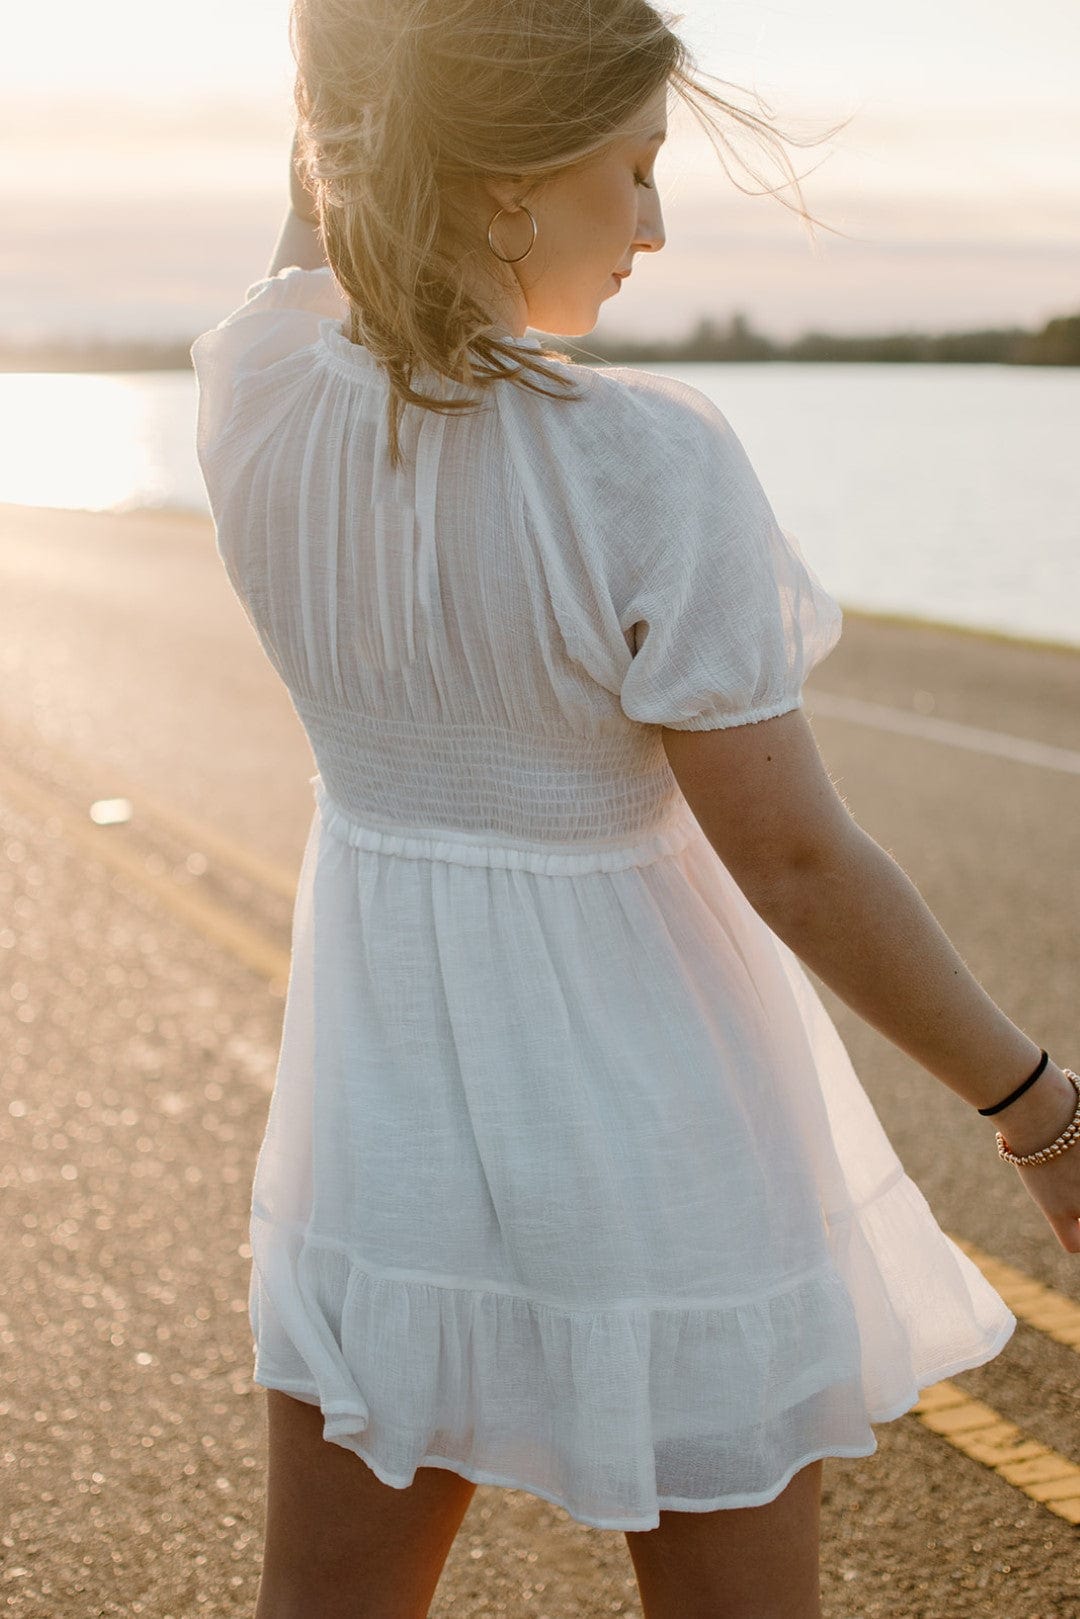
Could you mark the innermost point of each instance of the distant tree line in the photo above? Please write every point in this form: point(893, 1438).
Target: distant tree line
point(1058, 343)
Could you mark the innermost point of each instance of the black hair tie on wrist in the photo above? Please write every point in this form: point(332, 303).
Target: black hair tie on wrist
point(1020, 1089)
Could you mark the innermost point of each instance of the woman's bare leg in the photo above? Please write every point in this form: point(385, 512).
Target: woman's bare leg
point(339, 1543)
point(738, 1563)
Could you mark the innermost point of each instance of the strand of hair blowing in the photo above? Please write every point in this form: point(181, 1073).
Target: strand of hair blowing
point(405, 106)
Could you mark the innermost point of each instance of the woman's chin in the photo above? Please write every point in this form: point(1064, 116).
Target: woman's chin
point(580, 324)
point(569, 323)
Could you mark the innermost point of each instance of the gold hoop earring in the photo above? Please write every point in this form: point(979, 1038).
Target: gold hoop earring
point(531, 245)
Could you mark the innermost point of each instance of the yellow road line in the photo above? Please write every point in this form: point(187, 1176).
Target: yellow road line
point(268, 874)
point(1030, 1301)
point(978, 1430)
point(975, 1428)
point(104, 843)
point(969, 1425)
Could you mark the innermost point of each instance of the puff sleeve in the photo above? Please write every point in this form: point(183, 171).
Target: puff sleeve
point(725, 616)
point(280, 315)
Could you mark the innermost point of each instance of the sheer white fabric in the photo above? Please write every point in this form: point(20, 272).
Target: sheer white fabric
point(568, 1183)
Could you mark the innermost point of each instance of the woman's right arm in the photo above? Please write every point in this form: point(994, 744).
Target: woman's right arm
point(766, 803)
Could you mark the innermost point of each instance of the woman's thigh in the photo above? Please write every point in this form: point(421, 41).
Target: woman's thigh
point(340, 1543)
point(738, 1563)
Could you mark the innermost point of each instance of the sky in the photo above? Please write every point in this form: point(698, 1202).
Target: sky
point(144, 168)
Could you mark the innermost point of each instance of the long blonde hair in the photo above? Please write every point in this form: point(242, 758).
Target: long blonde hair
point(401, 103)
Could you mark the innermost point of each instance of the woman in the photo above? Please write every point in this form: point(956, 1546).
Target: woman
point(568, 1183)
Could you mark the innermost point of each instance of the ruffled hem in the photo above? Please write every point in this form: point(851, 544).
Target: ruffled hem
point(664, 1503)
point(618, 1413)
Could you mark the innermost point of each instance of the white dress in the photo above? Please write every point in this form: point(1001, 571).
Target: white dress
point(568, 1183)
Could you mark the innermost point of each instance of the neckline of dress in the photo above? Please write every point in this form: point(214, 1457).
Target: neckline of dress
point(334, 341)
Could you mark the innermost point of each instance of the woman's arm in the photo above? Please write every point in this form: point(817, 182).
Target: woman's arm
point(301, 199)
point(766, 802)
point(299, 241)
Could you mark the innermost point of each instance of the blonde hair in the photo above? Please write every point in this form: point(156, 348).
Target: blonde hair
point(402, 103)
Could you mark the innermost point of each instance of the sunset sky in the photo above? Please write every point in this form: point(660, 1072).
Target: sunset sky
point(144, 149)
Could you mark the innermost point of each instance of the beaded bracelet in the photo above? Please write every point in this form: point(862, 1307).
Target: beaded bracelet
point(1068, 1136)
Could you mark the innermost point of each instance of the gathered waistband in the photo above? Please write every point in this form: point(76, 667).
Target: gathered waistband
point(479, 849)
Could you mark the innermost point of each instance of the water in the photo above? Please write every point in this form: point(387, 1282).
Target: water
point(945, 492)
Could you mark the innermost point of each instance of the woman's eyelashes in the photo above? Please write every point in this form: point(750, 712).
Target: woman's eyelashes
point(642, 181)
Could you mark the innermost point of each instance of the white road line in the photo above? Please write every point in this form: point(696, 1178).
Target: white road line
point(955, 735)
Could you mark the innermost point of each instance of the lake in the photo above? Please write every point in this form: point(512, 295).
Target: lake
point(948, 492)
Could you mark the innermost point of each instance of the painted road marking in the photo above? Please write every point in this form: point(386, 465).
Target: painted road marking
point(200, 835)
point(969, 1425)
point(1054, 1314)
point(1018, 749)
point(980, 1432)
point(107, 844)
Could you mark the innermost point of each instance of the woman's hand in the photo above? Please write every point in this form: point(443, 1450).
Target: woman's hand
point(1054, 1185)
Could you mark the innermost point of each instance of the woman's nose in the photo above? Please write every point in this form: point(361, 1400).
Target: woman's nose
point(651, 234)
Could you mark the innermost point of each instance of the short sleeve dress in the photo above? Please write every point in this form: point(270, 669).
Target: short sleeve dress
point(568, 1183)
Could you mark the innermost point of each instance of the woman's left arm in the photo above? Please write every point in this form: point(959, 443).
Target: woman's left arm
point(299, 241)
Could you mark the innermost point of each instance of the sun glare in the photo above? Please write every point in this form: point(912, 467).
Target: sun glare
point(82, 442)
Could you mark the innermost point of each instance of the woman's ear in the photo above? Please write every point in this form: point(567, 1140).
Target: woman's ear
point(505, 191)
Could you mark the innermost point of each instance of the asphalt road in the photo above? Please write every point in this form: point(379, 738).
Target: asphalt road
point(139, 1045)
